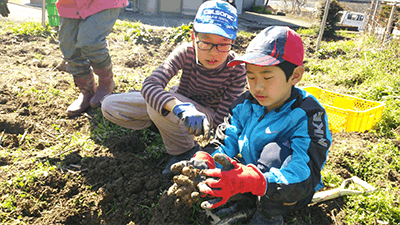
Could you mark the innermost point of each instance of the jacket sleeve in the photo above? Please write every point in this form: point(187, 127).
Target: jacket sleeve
point(310, 140)
point(232, 93)
point(227, 134)
point(154, 85)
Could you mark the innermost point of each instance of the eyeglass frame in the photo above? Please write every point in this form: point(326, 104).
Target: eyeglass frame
point(213, 45)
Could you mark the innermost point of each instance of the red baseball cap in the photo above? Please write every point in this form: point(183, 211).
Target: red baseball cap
point(272, 46)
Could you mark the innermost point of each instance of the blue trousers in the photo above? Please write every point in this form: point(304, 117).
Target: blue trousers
point(274, 155)
point(83, 42)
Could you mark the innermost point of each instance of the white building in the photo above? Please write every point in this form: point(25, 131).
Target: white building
point(187, 7)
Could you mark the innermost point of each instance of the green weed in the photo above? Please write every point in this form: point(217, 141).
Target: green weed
point(381, 206)
point(139, 35)
point(244, 33)
point(32, 29)
point(126, 25)
point(179, 34)
point(312, 31)
point(154, 144)
point(146, 210)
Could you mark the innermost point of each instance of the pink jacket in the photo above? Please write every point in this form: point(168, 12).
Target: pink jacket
point(83, 8)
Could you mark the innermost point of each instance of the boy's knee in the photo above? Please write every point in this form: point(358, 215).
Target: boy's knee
point(107, 107)
point(273, 155)
point(97, 54)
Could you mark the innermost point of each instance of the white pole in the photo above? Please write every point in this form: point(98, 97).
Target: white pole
point(44, 13)
point(323, 22)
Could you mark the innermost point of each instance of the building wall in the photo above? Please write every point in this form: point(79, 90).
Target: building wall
point(148, 6)
point(170, 6)
point(248, 3)
point(189, 7)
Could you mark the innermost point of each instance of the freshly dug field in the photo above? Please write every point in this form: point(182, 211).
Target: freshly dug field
point(99, 173)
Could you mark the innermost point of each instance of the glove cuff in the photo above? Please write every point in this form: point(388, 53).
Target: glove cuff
point(201, 155)
point(261, 185)
point(179, 108)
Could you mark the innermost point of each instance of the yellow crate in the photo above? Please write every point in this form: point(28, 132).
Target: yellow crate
point(348, 113)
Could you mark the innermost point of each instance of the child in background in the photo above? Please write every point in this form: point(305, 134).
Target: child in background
point(4, 8)
point(278, 133)
point(84, 26)
point(206, 90)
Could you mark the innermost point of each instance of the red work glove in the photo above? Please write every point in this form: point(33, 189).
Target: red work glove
point(201, 160)
point(204, 157)
point(241, 179)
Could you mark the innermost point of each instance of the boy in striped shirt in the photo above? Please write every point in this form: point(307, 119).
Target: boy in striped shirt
point(206, 90)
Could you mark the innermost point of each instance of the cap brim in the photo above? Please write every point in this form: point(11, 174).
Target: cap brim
point(214, 29)
point(255, 59)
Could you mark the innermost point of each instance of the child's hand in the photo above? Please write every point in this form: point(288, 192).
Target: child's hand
point(195, 121)
point(201, 160)
point(185, 183)
point(185, 187)
point(225, 184)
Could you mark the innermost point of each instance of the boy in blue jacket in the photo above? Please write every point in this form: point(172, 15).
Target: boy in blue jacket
point(278, 132)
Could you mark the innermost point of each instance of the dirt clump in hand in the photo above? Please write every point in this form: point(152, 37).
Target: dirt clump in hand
point(185, 185)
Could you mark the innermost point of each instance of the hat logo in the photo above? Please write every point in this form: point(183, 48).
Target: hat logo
point(215, 12)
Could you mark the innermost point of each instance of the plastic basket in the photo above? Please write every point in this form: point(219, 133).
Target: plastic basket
point(52, 13)
point(348, 113)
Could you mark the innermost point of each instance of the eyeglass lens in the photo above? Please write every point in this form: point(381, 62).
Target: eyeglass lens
point(209, 46)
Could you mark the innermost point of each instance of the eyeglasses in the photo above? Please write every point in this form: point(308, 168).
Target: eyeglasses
point(208, 46)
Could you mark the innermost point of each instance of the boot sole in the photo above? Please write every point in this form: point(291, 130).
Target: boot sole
point(95, 105)
point(74, 113)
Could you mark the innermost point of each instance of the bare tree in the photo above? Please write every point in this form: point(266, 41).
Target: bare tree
point(295, 5)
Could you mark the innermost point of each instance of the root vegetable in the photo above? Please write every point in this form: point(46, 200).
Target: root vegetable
point(185, 186)
point(223, 161)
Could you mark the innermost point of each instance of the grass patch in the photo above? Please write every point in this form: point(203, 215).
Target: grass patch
point(260, 9)
point(313, 31)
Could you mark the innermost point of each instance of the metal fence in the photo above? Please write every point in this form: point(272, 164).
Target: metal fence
point(385, 28)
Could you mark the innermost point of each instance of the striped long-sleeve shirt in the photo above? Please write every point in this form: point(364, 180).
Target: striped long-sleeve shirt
point(213, 88)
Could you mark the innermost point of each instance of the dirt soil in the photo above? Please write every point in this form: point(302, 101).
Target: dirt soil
point(117, 182)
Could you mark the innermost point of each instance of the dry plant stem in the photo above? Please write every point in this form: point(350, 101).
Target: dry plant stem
point(1, 137)
point(23, 138)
